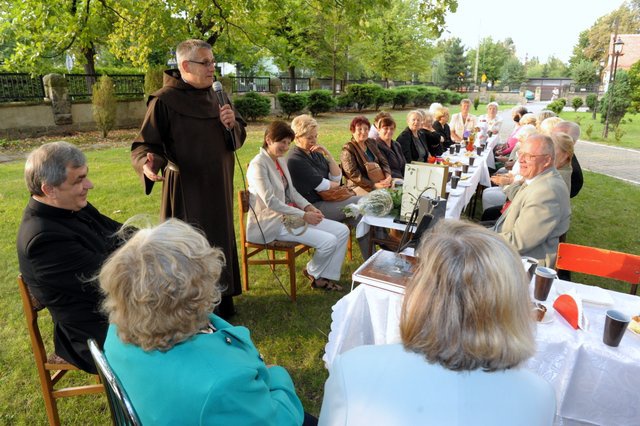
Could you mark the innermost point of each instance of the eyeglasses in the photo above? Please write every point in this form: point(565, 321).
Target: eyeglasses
point(525, 156)
point(207, 64)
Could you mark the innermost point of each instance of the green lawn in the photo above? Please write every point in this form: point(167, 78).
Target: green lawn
point(630, 127)
point(292, 335)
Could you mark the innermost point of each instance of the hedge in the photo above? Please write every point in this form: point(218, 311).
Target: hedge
point(252, 106)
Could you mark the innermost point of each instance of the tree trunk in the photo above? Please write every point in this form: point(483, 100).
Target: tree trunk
point(89, 54)
point(292, 77)
point(334, 71)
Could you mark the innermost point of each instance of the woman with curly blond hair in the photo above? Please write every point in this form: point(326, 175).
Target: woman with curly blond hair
point(466, 330)
point(179, 363)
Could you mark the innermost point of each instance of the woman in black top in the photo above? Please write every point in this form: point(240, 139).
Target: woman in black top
point(314, 170)
point(412, 147)
point(441, 126)
point(430, 137)
point(390, 148)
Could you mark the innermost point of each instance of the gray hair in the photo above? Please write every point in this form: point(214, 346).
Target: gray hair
point(161, 285)
point(568, 127)
point(546, 143)
point(48, 165)
point(415, 112)
point(495, 104)
point(188, 48)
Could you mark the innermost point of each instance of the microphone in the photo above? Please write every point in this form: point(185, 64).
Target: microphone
point(217, 88)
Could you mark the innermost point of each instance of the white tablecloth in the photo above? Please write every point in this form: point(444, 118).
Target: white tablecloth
point(594, 383)
point(458, 198)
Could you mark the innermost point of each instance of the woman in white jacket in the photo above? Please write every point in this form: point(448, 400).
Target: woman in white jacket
point(281, 213)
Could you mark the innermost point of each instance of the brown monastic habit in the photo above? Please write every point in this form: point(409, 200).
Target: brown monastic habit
point(182, 126)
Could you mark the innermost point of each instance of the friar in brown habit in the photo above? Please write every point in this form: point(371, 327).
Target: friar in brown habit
point(187, 140)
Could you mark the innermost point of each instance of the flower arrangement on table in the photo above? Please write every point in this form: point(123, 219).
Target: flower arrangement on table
point(380, 202)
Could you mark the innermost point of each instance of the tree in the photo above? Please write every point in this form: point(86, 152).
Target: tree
point(341, 35)
point(594, 45)
point(392, 36)
point(492, 57)
point(455, 64)
point(634, 84)
point(585, 73)
point(42, 31)
point(620, 98)
point(512, 73)
point(556, 67)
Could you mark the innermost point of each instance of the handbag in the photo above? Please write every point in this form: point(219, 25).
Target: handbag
point(374, 171)
point(292, 222)
point(339, 193)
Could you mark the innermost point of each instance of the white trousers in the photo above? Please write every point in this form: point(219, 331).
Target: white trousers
point(329, 238)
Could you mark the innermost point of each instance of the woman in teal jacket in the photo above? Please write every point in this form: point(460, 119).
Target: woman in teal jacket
point(179, 363)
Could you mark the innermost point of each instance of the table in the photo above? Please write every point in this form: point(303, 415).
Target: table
point(491, 144)
point(594, 383)
point(457, 200)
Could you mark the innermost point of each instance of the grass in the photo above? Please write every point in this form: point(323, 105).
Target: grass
point(630, 128)
point(292, 335)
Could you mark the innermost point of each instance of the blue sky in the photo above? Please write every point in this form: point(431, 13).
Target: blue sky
point(539, 28)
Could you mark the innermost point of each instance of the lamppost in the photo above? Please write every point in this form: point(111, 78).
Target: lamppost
point(617, 52)
point(599, 74)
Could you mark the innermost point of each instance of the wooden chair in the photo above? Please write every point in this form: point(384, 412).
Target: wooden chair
point(600, 262)
point(120, 406)
point(248, 250)
point(50, 368)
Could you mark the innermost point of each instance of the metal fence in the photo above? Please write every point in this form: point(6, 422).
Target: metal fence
point(250, 84)
point(15, 87)
point(301, 84)
point(81, 85)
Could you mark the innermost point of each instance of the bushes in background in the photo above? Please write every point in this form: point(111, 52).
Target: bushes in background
point(364, 95)
point(357, 96)
point(556, 106)
point(592, 101)
point(153, 79)
point(576, 103)
point(104, 104)
point(252, 106)
point(319, 101)
point(291, 103)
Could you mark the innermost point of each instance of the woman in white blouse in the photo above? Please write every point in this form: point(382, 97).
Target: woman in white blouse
point(281, 213)
point(466, 329)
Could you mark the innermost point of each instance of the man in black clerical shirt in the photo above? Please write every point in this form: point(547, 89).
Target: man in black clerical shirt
point(62, 242)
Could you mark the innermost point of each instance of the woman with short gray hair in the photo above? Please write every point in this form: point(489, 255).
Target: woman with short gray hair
point(179, 363)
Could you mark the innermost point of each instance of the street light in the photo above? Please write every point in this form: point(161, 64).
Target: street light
point(617, 52)
point(599, 72)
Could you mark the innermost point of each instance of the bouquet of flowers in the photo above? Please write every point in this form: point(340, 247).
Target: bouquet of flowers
point(377, 203)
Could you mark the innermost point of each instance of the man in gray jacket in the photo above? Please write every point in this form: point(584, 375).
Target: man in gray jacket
point(539, 213)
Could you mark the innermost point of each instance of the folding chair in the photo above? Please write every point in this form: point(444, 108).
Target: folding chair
point(248, 250)
point(600, 262)
point(122, 411)
point(50, 368)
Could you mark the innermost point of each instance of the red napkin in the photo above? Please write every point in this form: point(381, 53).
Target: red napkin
point(569, 306)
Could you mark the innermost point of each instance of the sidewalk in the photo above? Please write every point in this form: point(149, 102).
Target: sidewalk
point(620, 163)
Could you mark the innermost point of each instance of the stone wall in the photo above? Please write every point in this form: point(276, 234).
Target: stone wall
point(23, 119)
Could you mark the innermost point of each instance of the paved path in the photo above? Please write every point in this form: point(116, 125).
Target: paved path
point(620, 163)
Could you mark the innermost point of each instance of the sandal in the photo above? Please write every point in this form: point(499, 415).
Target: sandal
point(308, 276)
point(325, 284)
